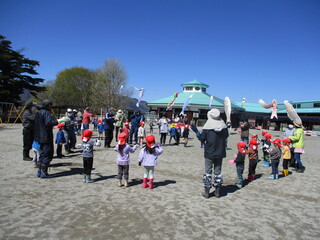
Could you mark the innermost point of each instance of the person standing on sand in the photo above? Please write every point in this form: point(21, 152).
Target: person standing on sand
point(28, 130)
point(43, 134)
point(214, 137)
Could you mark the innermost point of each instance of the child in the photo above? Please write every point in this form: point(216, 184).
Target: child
point(149, 156)
point(95, 124)
point(173, 133)
point(151, 126)
point(126, 130)
point(87, 147)
point(141, 134)
point(265, 147)
point(240, 157)
point(36, 154)
point(100, 129)
point(275, 155)
point(254, 136)
point(253, 159)
point(60, 140)
point(163, 124)
point(286, 156)
point(185, 134)
point(123, 159)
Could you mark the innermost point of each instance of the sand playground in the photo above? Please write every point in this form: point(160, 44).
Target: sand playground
point(63, 207)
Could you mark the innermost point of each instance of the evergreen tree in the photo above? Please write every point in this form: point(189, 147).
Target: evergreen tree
point(16, 74)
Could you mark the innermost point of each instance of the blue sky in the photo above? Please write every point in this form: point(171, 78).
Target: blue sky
point(267, 49)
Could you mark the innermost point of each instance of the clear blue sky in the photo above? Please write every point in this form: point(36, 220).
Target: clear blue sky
point(255, 49)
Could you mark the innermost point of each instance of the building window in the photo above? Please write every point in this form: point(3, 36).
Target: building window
point(197, 88)
point(204, 90)
point(188, 88)
point(316, 105)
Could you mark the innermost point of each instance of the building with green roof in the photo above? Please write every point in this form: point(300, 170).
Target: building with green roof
point(259, 117)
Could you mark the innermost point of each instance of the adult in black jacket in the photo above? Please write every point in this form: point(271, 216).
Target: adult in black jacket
point(43, 134)
point(214, 137)
point(28, 131)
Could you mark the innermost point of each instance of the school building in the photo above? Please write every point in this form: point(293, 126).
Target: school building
point(258, 117)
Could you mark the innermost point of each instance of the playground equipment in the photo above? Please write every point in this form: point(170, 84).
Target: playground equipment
point(12, 111)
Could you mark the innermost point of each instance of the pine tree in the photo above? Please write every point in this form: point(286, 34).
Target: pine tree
point(16, 74)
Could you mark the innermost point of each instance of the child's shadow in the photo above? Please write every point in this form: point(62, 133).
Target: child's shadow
point(103, 178)
point(164, 183)
point(138, 181)
point(72, 171)
point(246, 182)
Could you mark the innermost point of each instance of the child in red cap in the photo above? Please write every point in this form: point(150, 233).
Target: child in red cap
point(60, 140)
point(265, 147)
point(275, 155)
point(87, 147)
point(123, 158)
point(141, 133)
point(149, 157)
point(185, 134)
point(286, 156)
point(239, 161)
point(253, 159)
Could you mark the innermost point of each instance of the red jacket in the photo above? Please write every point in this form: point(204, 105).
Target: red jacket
point(86, 117)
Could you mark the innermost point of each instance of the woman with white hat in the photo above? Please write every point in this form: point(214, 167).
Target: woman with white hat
point(214, 137)
point(119, 118)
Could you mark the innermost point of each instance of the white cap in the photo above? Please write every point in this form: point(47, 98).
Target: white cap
point(69, 110)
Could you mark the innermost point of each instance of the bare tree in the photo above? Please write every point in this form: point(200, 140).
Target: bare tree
point(109, 86)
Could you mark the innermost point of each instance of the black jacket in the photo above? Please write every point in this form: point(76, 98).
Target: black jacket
point(215, 143)
point(44, 123)
point(28, 119)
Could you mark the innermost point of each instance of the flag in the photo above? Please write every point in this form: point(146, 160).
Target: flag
point(186, 104)
point(170, 104)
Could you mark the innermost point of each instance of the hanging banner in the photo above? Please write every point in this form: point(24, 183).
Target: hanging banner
point(170, 104)
point(210, 101)
point(186, 104)
point(227, 109)
point(141, 92)
point(272, 105)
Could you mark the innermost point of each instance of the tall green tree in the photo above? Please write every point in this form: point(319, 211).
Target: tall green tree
point(16, 74)
point(72, 87)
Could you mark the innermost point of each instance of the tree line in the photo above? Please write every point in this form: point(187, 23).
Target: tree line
point(73, 87)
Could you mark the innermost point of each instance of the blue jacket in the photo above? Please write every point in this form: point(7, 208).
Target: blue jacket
point(173, 132)
point(60, 137)
point(135, 120)
point(100, 127)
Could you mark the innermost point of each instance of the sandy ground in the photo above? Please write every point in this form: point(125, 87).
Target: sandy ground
point(63, 207)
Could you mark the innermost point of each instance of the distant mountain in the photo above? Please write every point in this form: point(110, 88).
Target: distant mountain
point(132, 106)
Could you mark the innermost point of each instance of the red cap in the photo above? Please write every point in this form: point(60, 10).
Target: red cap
point(141, 123)
point(254, 136)
point(186, 126)
point(286, 140)
point(277, 141)
point(264, 133)
point(86, 135)
point(150, 140)
point(253, 141)
point(60, 125)
point(241, 147)
point(122, 137)
point(268, 136)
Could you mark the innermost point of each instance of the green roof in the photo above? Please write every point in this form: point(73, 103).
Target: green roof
point(195, 83)
point(199, 99)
